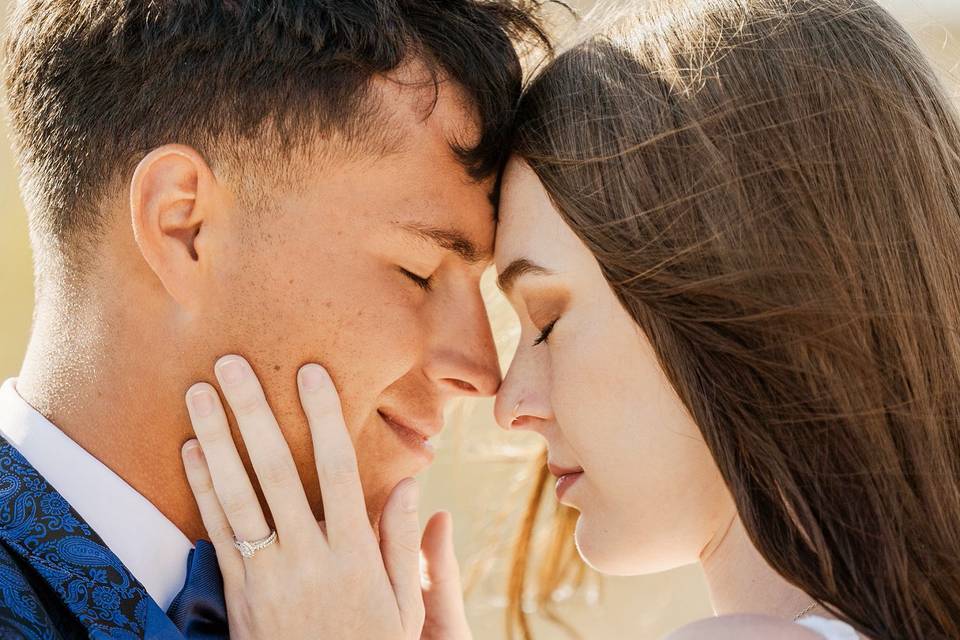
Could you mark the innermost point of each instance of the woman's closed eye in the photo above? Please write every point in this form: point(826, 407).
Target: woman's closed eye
point(545, 333)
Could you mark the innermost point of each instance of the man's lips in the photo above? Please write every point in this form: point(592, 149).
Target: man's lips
point(415, 435)
point(426, 429)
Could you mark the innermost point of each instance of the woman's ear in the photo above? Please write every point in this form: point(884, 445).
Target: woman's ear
point(172, 196)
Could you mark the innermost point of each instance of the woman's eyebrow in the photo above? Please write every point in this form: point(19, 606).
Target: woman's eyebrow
point(517, 268)
point(450, 240)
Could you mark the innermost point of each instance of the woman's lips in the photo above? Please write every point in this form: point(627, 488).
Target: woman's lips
point(566, 481)
point(566, 478)
point(415, 441)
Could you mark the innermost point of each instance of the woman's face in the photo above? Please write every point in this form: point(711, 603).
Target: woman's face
point(586, 378)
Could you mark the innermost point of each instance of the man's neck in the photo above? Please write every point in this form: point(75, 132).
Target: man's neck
point(117, 400)
point(741, 581)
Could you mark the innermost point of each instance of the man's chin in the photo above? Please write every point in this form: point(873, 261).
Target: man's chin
point(388, 454)
point(375, 506)
point(377, 490)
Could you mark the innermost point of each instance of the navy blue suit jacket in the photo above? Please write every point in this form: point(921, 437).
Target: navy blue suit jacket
point(58, 580)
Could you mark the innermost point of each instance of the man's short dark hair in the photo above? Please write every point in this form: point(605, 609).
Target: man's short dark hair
point(91, 86)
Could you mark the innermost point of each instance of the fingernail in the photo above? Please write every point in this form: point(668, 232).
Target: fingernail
point(410, 497)
point(313, 377)
point(231, 371)
point(192, 452)
point(201, 402)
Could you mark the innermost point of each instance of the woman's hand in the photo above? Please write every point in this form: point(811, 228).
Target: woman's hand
point(440, 583)
point(335, 581)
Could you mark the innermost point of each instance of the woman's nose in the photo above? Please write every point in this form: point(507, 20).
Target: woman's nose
point(508, 403)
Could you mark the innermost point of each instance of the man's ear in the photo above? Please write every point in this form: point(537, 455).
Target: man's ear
point(172, 196)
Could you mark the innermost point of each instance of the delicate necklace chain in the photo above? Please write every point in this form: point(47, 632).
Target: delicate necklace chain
point(810, 607)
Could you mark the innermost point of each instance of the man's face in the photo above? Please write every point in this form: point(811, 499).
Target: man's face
point(329, 274)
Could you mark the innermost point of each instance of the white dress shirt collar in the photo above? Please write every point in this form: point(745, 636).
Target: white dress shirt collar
point(149, 545)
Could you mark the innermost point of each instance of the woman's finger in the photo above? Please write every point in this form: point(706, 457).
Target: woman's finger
point(441, 584)
point(345, 511)
point(230, 481)
point(214, 519)
point(267, 448)
point(400, 548)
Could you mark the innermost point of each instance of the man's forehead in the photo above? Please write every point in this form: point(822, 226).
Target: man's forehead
point(455, 212)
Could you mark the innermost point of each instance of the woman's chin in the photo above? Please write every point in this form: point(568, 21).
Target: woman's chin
point(612, 553)
point(593, 545)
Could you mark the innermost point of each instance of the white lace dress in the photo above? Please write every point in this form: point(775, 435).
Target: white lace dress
point(829, 629)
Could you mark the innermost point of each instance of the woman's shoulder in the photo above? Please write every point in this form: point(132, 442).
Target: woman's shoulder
point(744, 627)
point(830, 629)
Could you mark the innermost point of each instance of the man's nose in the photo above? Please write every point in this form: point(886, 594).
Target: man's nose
point(464, 359)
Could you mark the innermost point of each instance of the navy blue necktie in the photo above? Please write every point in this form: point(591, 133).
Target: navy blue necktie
point(200, 610)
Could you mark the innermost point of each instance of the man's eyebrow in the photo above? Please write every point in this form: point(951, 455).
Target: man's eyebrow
point(449, 239)
point(517, 268)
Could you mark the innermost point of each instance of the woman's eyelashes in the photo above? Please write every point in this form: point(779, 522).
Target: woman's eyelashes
point(424, 283)
point(545, 333)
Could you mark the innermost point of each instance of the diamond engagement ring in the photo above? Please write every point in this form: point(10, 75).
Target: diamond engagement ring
point(248, 548)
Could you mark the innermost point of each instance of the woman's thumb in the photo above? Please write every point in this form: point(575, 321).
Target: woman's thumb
point(440, 582)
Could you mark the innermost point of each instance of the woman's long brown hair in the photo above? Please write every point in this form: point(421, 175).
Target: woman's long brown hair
point(772, 189)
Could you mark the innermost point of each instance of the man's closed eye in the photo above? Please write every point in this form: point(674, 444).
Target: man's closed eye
point(425, 283)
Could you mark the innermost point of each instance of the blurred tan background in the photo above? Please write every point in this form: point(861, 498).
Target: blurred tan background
point(479, 474)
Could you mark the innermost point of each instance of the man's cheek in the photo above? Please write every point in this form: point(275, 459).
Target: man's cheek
point(373, 352)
